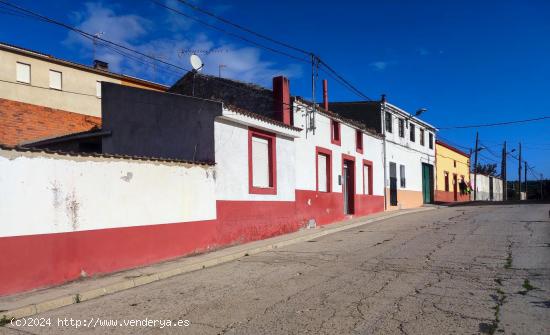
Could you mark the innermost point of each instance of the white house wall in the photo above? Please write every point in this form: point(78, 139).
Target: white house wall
point(306, 154)
point(231, 145)
point(412, 159)
point(45, 194)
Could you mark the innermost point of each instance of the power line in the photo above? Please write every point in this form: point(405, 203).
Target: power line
point(88, 35)
point(329, 70)
point(111, 44)
point(48, 88)
point(496, 124)
point(454, 144)
point(158, 3)
point(224, 20)
point(347, 83)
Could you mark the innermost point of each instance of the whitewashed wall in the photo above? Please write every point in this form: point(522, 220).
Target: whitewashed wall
point(482, 186)
point(412, 159)
point(231, 145)
point(402, 151)
point(306, 154)
point(46, 193)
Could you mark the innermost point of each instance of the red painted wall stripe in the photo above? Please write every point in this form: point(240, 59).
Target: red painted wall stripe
point(36, 261)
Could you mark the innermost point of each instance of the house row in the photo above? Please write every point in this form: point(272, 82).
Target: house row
point(143, 173)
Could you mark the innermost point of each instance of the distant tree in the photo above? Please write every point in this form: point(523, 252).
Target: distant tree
point(486, 169)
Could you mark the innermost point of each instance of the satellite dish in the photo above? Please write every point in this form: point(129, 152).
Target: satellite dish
point(196, 62)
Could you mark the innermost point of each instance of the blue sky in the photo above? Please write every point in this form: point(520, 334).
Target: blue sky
point(468, 62)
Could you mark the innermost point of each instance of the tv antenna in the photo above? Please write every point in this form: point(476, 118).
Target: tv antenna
point(96, 36)
point(220, 67)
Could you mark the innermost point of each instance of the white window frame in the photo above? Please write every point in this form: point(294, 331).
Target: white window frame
point(261, 169)
point(17, 73)
point(54, 72)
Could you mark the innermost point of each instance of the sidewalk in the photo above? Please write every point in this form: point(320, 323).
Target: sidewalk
point(34, 302)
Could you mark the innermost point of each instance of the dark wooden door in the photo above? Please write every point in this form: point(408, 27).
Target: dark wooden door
point(393, 184)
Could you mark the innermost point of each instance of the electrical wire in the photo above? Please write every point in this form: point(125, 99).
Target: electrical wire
point(48, 88)
point(327, 69)
point(238, 26)
point(496, 123)
point(119, 46)
point(158, 3)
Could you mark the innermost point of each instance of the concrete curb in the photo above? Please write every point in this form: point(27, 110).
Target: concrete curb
point(122, 285)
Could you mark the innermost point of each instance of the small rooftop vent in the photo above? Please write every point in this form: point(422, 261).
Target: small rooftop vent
point(101, 65)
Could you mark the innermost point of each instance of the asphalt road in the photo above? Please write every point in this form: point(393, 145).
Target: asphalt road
point(463, 270)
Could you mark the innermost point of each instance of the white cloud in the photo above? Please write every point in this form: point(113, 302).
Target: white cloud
point(423, 51)
point(242, 63)
point(175, 21)
point(379, 65)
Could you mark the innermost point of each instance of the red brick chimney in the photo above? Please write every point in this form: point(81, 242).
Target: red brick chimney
point(325, 94)
point(281, 99)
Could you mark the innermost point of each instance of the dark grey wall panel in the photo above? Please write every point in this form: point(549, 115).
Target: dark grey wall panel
point(156, 124)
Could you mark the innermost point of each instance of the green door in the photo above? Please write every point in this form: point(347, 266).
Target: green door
point(427, 183)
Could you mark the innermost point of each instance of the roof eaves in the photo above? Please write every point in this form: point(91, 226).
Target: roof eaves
point(334, 115)
point(94, 132)
point(260, 117)
point(81, 66)
point(82, 154)
point(450, 147)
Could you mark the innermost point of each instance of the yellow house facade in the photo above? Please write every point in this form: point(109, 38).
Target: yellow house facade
point(452, 173)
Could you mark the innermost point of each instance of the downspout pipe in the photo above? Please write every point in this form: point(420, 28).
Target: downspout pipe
point(383, 119)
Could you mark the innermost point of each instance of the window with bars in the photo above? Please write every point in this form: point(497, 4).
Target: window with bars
point(402, 179)
point(335, 132)
point(359, 141)
point(389, 122)
point(401, 128)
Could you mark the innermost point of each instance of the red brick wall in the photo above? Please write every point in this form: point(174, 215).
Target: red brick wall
point(21, 122)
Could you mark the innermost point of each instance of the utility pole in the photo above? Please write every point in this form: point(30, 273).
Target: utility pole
point(525, 172)
point(314, 68)
point(383, 118)
point(541, 195)
point(503, 172)
point(475, 166)
point(519, 174)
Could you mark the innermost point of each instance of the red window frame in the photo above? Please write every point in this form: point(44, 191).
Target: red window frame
point(359, 141)
point(328, 153)
point(446, 177)
point(370, 176)
point(272, 139)
point(335, 136)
